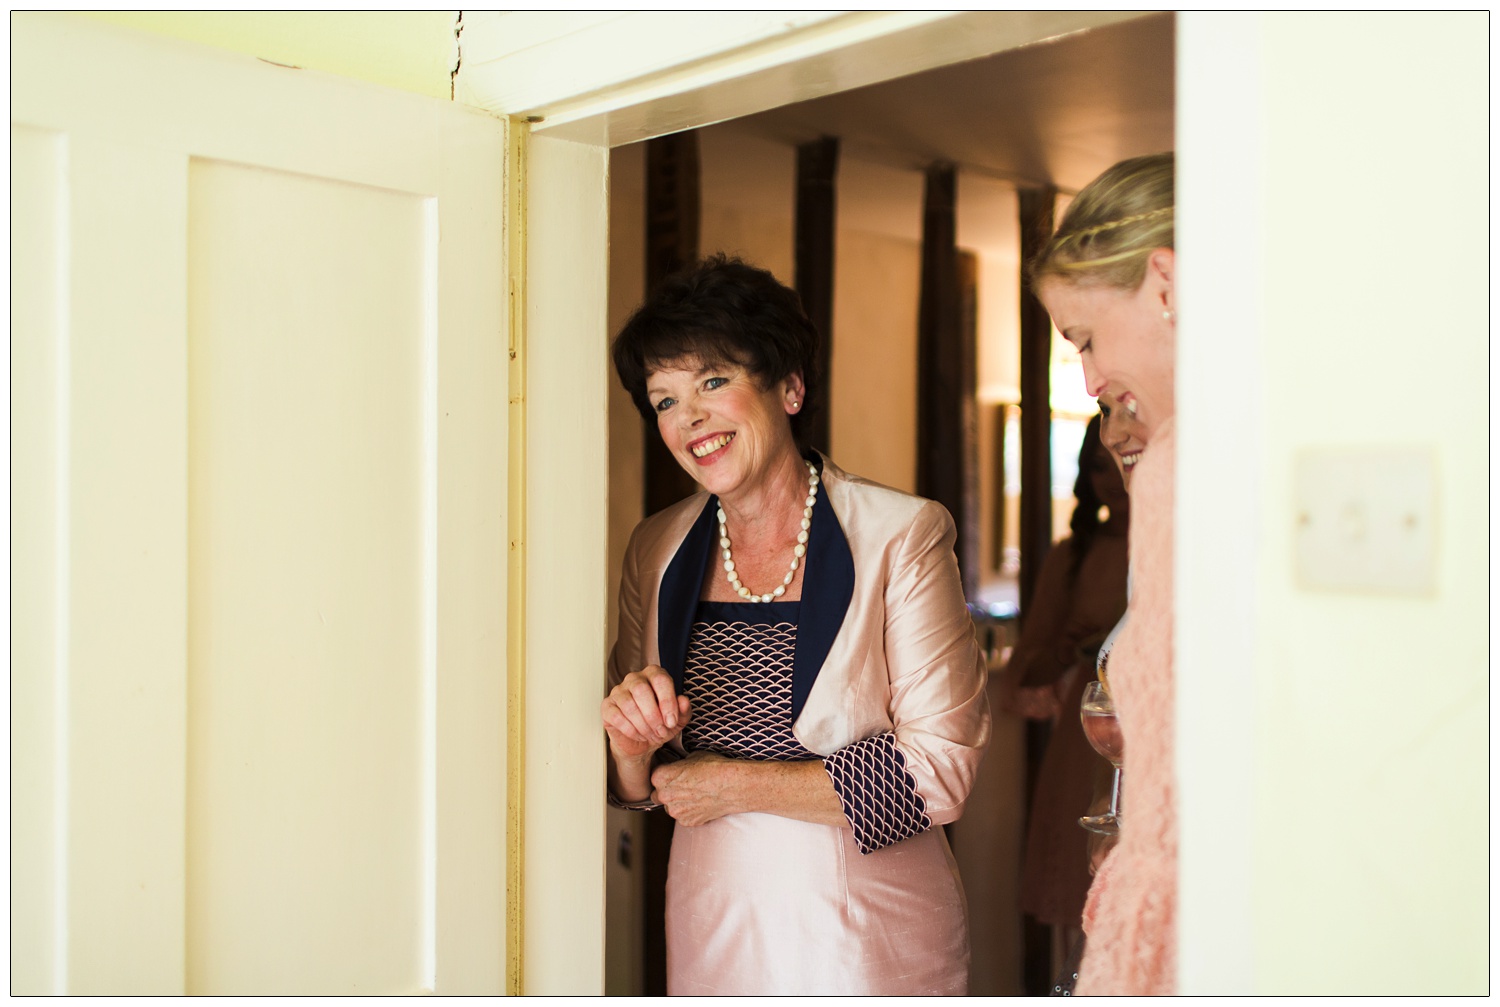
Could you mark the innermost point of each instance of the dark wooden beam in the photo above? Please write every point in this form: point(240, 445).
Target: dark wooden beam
point(967, 517)
point(817, 170)
point(1036, 209)
point(673, 205)
point(1036, 206)
point(947, 447)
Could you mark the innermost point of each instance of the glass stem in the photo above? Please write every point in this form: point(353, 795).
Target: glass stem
point(1114, 796)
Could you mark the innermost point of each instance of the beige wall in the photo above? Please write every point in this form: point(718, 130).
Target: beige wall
point(748, 190)
point(409, 50)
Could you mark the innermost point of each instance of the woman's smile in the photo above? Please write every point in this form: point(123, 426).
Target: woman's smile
point(708, 449)
point(1122, 433)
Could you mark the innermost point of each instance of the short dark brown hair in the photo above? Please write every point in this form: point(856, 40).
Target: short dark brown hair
point(721, 311)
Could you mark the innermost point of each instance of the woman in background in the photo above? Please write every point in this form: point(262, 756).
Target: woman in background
point(1080, 596)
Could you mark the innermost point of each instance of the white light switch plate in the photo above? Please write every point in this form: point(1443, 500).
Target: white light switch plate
point(1366, 520)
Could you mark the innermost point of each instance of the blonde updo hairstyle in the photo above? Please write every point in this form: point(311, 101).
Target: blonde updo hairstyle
point(1112, 226)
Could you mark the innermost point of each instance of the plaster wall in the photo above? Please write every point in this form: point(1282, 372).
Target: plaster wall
point(410, 50)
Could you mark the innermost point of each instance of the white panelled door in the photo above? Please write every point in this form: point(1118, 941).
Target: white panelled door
point(259, 387)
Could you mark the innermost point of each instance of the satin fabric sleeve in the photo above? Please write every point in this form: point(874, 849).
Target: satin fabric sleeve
point(627, 654)
point(939, 710)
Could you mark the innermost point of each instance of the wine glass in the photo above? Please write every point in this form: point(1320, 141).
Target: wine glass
point(1102, 729)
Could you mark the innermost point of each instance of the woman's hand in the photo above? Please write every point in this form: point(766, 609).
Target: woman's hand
point(643, 713)
point(696, 790)
point(1034, 702)
point(1100, 846)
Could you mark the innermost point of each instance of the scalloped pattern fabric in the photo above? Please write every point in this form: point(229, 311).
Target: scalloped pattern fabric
point(879, 795)
point(739, 680)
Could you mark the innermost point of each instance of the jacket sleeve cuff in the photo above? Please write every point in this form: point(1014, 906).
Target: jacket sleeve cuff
point(878, 793)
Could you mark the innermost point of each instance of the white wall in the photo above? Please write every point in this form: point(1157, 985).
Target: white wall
point(1376, 160)
point(1335, 767)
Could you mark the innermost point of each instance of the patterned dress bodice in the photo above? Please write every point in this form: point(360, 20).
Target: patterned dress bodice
point(738, 677)
point(739, 680)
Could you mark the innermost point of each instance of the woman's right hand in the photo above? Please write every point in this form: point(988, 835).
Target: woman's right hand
point(643, 713)
point(1037, 702)
point(1033, 702)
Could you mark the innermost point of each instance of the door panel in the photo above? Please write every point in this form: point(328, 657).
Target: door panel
point(308, 648)
point(261, 408)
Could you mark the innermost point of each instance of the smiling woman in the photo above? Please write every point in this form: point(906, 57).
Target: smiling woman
point(796, 678)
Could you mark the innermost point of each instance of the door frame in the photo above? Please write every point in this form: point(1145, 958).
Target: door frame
point(565, 217)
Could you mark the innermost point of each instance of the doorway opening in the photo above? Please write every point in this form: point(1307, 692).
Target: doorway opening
point(1048, 116)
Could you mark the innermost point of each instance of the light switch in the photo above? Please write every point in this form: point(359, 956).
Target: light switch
point(1365, 520)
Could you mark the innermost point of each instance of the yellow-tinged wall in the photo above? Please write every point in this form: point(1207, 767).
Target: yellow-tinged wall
point(1332, 754)
point(1371, 799)
point(409, 50)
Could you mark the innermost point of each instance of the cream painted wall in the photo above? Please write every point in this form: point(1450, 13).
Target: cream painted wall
point(1333, 755)
point(989, 223)
point(410, 50)
point(877, 286)
point(1371, 794)
point(748, 190)
point(873, 429)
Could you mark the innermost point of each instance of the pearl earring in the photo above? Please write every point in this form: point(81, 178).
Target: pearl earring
point(1169, 315)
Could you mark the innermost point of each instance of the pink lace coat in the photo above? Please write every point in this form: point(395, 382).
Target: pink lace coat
point(1131, 913)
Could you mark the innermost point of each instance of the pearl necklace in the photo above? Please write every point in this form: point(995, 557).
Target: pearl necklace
point(798, 551)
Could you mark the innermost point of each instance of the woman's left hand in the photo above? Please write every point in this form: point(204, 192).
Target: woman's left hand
point(695, 790)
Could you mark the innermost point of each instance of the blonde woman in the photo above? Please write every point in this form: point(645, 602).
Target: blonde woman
point(1108, 279)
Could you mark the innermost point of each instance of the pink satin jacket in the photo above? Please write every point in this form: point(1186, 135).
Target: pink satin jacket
point(884, 640)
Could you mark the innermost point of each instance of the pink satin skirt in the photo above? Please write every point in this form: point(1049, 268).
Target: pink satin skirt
point(761, 905)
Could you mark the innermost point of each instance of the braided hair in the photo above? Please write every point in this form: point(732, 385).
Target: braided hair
point(1113, 225)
